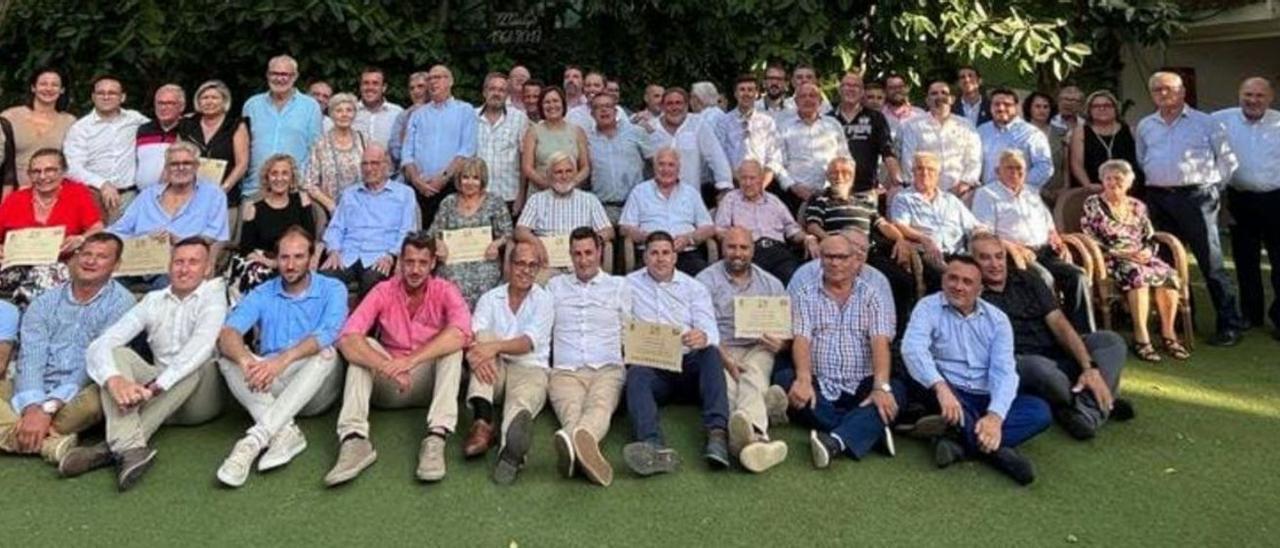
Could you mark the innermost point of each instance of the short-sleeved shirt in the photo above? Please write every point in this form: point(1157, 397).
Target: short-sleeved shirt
point(534, 319)
point(765, 217)
point(681, 213)
point(204, 214)
point(1026, 300)
point(549, 213)
point(75, 210)
point(1021, 218)
point(945, 219)
point(402, 331)
point(723, 290)
point(833, 214)
point(9, 316)
point(840, 335)
point(286, 320)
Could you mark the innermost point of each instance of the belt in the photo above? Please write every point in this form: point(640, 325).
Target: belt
point(615, 204)
point(1177, 188)
point(766, 243)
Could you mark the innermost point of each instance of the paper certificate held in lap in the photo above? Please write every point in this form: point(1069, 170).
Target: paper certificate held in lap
point(655, 345)
point(467, 245)
point(32, 246)
point(755, 316)
point(212, 171)
point(144, 256)
point(557, 250)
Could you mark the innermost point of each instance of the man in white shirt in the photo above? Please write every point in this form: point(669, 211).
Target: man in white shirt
point(498, 137)
point(375, 116)
point(593, 84)
point(591, 310)
point(1253, 196)
point(952, 138)
point(100, 147)
point(661, 295)
point(512, 326)
point(694, 139)
point(747, 132)
point(809, 142)
point(804, 75)
point(182, 323)
point(516, 78)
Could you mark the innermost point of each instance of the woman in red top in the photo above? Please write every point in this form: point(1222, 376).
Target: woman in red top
point(50, 201)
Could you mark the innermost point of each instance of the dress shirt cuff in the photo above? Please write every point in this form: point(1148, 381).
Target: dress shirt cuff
point(64, 392)
point(930, 377)
point(167, 378)
point(101, 370)
point(1000, 405)
point(724, 185)
point(22, 399)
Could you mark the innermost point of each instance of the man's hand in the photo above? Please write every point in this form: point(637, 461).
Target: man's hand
point(682, 243)
point(802, 191)
point(70, 243)
point(332, 262)
point(811, 245)
point(801, 393)
point(961, 188)
point(33, 428)
point(398, 371)
point(694, 338)
point(483, 358)
point(262, 374)
point(433, 186)
point(110, 196)
point(933, 253)
point(731, 367)
point(902, 251)
point(126, 393)
point(384, 264)
point(1092, 380)
point(491, 252)
point(951, 410)
point(988, 432)
point(884, 403)
point(1020, 256)
point(772, 343)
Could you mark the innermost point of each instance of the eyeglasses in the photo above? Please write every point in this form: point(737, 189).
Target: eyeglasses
point(1103, 106)
point(279, 74)
point(182, 164)
point(524, 265)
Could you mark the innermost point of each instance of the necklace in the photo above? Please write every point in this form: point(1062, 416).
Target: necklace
point(41, 204)
point(1107, 144)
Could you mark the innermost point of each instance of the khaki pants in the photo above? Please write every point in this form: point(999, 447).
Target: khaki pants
point(522, 387)
point(306, 385)
point(586, 398)
point(130, 429)
point(83, 411)
point(746, 394)
point(207, 400)
point(434, 383)
point(126, 198)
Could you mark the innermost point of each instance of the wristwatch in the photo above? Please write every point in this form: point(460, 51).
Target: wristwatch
point(50, 406)
point(886, 388)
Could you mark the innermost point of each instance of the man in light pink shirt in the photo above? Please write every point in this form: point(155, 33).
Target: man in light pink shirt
point(423, 325)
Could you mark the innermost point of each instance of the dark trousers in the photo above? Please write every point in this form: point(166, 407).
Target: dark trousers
point(775, 258)
point(1027, 416)
point(901, 282)
point(860, 428)
point(701, 379)
point(1191, 214)
point(788, 198)
point(1257, 216)
point(690, 262)
point(365, 277)
point(1051, 375)
point(431, 205)
point(1074, 284)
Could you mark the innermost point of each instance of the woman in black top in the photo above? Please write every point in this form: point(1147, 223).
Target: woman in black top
point(1104, 137)
point(265, 219)
point(220, 136)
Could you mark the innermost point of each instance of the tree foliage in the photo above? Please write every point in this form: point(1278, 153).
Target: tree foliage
point(150, 42)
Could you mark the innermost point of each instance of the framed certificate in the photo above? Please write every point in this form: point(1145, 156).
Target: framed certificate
point(33, 246)
point(144, 256)
point(211, 170)
point(653, 345)
point(557, 250)
point(755, 316)
point(467, 245)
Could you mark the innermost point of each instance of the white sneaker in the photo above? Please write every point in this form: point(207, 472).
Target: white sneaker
point(286, 444)
point(235, 469)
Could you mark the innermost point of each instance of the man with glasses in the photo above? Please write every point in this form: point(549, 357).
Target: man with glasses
point(774, 102)
point(441, 134)
point(283, 120)
point(371, 221)
point(1007, 130)
point(100, 147)
point(154, 137)
point(950, 137)
point(179, 208)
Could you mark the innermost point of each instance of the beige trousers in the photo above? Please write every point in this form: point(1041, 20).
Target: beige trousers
point(746, 394)
point(130, 429)
point(433, 383)
point(83, 411)
point(305, 386)
point(521, 387)
point(585, 398)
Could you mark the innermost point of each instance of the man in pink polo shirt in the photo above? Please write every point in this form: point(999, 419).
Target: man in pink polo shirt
point(423, 325)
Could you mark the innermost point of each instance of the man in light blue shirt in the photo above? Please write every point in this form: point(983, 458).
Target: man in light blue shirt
point(282, 120)
point(1187, 158)
point(1007, 130)
point(50, 398)
point(8, 333)
point(661, 295)
point(299, 316)
point(439, 136)
point(664, 204)
point(961, 349)
point(370, 223)
point(179, 208)
point(618, 154)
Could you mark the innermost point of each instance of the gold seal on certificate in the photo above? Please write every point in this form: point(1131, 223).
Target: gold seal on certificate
point(755, 316)
point(144, 256)
point(467, 245)
point(33, 246)
point(655, 345)
point(557, 250)
point(212, 171)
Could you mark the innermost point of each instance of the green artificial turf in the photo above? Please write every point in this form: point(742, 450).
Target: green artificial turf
point(1197, 467)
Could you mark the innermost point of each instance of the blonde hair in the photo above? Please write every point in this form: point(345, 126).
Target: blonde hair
point(475, 167)
point(275, 159)
point(218, 85)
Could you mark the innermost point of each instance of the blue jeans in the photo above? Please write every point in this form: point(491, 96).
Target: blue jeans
point(860, 428)
point(1027, 416)
point(701, 379)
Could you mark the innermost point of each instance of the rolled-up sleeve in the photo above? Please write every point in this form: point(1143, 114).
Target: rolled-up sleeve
point(916, 343)
point(455, 311)
point(98, 358)
point(366, 313)
point(199, 347)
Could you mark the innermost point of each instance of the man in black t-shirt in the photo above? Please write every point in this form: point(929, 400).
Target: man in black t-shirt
point(867, 132)
point(1051, 356)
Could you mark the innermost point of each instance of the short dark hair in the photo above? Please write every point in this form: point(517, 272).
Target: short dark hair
point(532, 82)
point(578, 68)
point(418, 240)
point(93, 84)
point(873, 85)
point(295, 230)
point(49, 151)
point(1031, 98)
point(102, 237)
point(804, 66)
point(964, 259)
point(967, 67)
point(586, 233)
point(746, 77)
point(676, 90)
point(369, 69)
point(196, 240)
point(1003, 91)
point(659, 236)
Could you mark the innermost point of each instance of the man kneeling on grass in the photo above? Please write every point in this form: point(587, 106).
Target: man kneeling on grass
point(182, 323)
point(423, 325)
point(961, 348)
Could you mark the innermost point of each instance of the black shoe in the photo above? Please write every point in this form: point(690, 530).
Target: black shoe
point(1077, 424)
point(647, 458)
point(823, 447)
point(1226, 337)
point(511, 458)
point(1122, 410)
point(1013, 464)
point(946, 452)
point(716, 452)
point(133, 463)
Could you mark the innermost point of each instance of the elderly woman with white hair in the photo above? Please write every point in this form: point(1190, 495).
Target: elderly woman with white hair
point(335, 156)
point(1120, 224)
point(223, 136)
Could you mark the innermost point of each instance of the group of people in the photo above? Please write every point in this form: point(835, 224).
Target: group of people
point(334, 222)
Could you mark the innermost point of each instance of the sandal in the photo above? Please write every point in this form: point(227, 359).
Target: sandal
point(1146, 352)
point(1175, 349)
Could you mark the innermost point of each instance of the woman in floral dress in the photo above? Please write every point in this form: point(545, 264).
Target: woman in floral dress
point(472, 207)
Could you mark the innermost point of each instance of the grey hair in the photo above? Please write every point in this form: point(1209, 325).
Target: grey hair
point(705, 92)
point(1012, 155)
point(1118, 166)
point(218, 85)
point(340, 99)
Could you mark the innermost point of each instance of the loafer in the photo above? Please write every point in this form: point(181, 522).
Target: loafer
point(81, 460)
point(479, 439)
point(516, 446)
point(354, 455)
point(592, 461)
point(716, 451)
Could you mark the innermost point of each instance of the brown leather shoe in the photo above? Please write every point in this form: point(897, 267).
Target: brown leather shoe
point(479, 439)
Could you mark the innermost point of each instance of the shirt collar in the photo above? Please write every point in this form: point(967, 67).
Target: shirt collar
point(307, 293)
point(978, 308)
point(71, 296)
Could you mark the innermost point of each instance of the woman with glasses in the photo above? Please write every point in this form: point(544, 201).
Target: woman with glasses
point(1104, 137)
point(471, 207)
